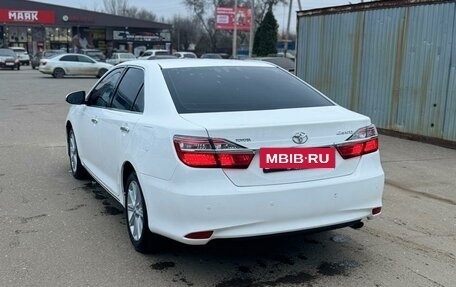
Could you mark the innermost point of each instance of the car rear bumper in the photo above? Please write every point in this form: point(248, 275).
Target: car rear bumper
point(179, 207)
point(45, 69)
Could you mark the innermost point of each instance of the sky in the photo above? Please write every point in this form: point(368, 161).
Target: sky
point(169, 8)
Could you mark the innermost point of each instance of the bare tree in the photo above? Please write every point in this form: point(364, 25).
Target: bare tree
point(185, 32)
point(263, 6)
point(123, 8)
point(116, 7)
point(204, 12)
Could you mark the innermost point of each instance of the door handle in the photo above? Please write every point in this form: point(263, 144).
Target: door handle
point(124, 129)
point(94, 120)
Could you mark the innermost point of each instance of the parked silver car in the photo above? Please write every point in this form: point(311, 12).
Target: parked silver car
point(73, 64)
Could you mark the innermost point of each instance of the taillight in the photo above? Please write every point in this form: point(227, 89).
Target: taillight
point(365, 140)
point(212, 153)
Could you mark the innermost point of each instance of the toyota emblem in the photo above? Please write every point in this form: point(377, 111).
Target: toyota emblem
point(300, 138)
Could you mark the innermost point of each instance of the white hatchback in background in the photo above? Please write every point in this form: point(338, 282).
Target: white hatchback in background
point(22, 54)
point(118, 58)
point(176, 142)
point(153, 52)
point(73, 65)
point(185, 55)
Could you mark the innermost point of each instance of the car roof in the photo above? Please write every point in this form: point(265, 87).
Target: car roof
point(58, 56)
point(195, 63)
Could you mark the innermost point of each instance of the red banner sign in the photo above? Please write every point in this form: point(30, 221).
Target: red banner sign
point(27, 16)
point(226, 17)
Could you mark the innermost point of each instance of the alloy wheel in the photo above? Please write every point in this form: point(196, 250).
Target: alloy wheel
point(135, 214)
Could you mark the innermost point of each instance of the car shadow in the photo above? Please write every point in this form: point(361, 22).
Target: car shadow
point(290, 259)
point(297, 259)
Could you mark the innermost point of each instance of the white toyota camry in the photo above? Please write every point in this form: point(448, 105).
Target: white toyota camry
point(179, 144)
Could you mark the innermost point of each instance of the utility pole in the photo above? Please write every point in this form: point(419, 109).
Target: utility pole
point(235, 31)
point(252, 28)
point(287, 35)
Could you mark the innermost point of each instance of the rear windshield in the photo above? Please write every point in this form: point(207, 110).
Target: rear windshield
point(230, 89)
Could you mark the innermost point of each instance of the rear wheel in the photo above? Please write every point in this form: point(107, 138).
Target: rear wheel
point(78, 171)
point(58, 73)
point(142, 239)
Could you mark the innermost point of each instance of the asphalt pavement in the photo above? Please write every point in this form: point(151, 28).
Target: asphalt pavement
point(58, 231)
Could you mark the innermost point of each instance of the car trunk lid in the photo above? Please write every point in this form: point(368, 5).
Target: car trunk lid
point(323, 126)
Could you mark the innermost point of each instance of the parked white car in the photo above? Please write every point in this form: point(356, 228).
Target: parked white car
point(118, 58)
point(177, 143)
point(186, 55)
point(24, 57)
point(153, 52)
point(72, 65)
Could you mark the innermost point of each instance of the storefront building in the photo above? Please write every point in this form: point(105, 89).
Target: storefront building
point(39, 26)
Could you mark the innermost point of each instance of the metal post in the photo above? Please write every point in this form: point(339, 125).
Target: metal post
point(235, 31)
point(299, 5)
point(252, 28)
point(287, 35)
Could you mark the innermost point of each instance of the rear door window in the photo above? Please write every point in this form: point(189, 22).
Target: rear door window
point(84, 59)
point(138, 106)
point(229, 89)
point(128, 89)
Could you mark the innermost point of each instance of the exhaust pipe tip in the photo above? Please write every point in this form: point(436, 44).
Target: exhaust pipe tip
point(357, 225)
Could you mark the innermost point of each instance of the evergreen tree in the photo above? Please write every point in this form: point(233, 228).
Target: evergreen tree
point(266, 36)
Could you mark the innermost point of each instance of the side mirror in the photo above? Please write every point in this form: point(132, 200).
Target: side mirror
point(76, 98)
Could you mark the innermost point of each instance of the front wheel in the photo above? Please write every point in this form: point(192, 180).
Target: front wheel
point(78, 171)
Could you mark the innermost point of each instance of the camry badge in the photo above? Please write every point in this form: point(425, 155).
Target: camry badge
point(300, 138)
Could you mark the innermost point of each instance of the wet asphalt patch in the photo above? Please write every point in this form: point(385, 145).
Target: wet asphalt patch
point(111, 207)
point(162, 265)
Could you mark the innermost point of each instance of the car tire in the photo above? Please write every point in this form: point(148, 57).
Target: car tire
point(143, 240)
point(101, 72)
point(78, 171)
point(58, 73)
point(18, 67)
point(33, 67)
